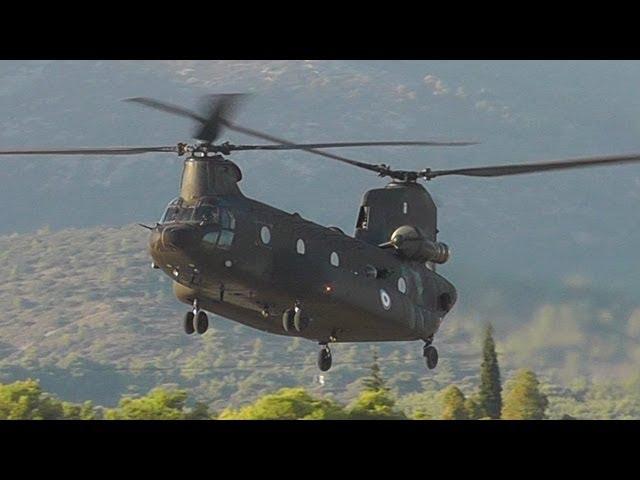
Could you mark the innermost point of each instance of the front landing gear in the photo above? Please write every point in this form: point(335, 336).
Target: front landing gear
point(196, 320)
point(295, 319)
point(188, 323)
point(324, 357)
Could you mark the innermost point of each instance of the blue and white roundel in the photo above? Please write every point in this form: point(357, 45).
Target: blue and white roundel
point(385, 299)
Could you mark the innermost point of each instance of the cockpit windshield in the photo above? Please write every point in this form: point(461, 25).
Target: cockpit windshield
point(203, 213)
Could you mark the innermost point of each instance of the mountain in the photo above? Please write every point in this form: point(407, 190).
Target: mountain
point(537, 226)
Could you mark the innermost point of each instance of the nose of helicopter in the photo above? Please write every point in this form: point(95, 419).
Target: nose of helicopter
point(173, 237)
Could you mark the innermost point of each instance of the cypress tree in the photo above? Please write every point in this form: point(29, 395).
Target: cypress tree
point(490, 396)
point(374, 382)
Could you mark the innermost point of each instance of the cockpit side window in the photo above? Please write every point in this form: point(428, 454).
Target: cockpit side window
point(206, 214)
point(170, 215)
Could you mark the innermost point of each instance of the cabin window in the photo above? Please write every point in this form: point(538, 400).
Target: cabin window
point(402, 285)
point(363, 218)
point(335, 259)
point(265, 235)
point(300, 247)
point(405, 207)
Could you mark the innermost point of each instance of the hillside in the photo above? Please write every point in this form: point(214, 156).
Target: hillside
point(547, 226)
point(82, 310)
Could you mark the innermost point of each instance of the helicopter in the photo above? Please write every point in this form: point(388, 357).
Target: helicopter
point(277, 272)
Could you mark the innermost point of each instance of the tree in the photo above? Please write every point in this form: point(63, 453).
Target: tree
point(453, 404)
point(25, 400)
point(374, 405)
point(524, 400)
point(72, 411)
point(286, 404)
point(473, 408)
point(159, 404)
point(374, 381)
point(490, 395)
point(374, 401)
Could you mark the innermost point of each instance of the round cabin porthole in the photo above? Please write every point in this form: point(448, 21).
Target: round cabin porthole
point(402, 285)
point(300, 247)
point(265, 235)
point(385, 299)
point(335, 259)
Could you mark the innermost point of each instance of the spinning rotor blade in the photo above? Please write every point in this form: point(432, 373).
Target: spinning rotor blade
point(380, 169)
point(221, 107)
point(93, 151)
point(503, 170)
point(351, 144)
point(166, 107)
point(216, 108)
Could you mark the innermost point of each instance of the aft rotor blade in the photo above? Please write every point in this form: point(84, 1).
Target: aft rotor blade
point(93, 151)
point(380, 169)
point(504, 170)
point(352, 144)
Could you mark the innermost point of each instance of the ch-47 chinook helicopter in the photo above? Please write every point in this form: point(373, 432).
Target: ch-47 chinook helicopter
point(279, 273)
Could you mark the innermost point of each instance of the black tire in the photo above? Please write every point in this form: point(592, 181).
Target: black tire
point(324, 359)
point(431, 357)
point(202, 322)
point(188, 323)
point(301, 320)
point(288, 320)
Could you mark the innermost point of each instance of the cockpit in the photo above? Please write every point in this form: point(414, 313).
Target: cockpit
point(203, 213)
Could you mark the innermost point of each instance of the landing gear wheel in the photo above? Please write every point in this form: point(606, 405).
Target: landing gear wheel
point(300, 320)
point(324, 359)
point(202, 322)
point(288, 320)
point(431, 356)
point(188, 323)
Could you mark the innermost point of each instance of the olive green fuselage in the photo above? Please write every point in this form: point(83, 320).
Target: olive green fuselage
point(249, 262)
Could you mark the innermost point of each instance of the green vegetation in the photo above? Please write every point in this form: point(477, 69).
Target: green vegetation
point(524, 400)
point(490, 396)
point(454, 405)
point(287, 404)
point(113, 335)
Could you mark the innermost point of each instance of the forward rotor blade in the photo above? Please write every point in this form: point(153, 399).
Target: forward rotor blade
point(504, 170)
point(351, 144)
point(167, 107)
point(380, 169)
point(218, 107)
point(93, 151)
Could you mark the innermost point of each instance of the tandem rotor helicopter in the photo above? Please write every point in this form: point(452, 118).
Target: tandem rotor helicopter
point(279, 273)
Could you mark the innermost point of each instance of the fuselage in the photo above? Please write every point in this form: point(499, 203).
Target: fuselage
point(249, 262)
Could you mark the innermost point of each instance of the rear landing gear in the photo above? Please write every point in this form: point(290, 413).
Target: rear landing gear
point(196, 320)
point(430, 354)
point(324, 357)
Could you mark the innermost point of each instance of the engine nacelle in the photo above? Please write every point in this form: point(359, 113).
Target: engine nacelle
point(413, 245)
